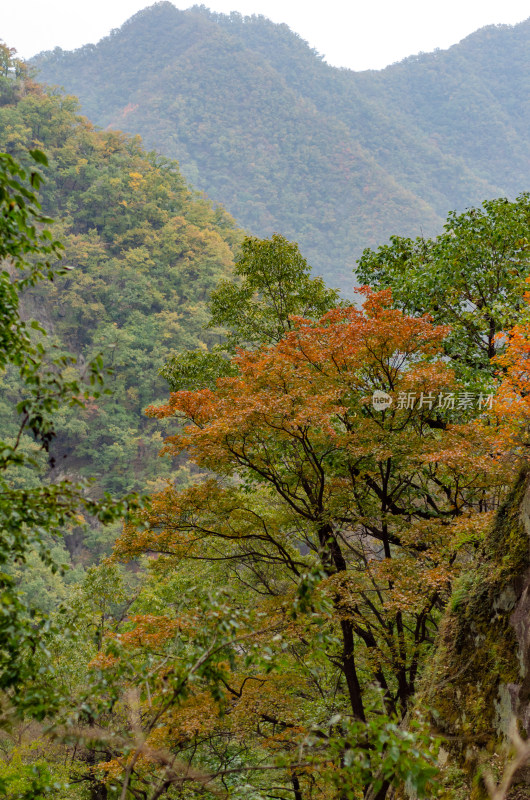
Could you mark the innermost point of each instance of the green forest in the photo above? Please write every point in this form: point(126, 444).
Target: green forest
point(260, 540)
point(336, 160)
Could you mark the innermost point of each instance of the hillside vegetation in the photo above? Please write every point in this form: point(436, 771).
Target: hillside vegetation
point(331, 158)
point(143, 252)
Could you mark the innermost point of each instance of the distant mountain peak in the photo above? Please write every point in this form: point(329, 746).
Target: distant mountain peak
point(335, 159)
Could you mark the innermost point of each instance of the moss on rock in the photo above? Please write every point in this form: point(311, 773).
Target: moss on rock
point(479, 677)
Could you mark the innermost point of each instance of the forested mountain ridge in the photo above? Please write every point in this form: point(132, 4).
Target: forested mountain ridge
point(329, 157)
point(143, 251)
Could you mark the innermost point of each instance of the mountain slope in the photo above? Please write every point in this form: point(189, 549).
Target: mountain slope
point(144, 252)
point(334, 159)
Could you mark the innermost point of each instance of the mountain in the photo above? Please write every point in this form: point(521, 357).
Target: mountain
point(335, 159)
point(144, 251)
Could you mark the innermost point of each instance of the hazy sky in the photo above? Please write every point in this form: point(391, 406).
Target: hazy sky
point(360, 34)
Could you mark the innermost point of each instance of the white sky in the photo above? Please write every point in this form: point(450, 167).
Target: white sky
point(360, 34)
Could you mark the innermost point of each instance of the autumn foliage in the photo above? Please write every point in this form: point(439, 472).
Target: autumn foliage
point(338, 524)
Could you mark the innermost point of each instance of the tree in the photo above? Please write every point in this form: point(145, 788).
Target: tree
point(272, 286)
point(470, 277)
point(311, 495)
point(11, 71)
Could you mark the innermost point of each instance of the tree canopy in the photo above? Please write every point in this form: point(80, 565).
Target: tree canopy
point(333, 519)
point(471, 277)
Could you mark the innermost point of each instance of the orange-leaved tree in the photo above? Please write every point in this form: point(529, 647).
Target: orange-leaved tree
point(513, 396)
point(359, 489)
point(310, 489)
